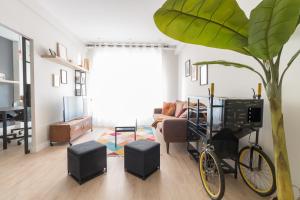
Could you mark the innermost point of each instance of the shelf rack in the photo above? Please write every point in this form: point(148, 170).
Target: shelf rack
point(61, 61)
point(198, 125)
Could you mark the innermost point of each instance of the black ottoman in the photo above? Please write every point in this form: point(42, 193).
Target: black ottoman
point(86, 160)
point(142, 158)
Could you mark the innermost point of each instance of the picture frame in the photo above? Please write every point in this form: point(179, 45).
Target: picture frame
point(187, 68)
point(83, 78)
point(62, 51)
point(77, 77)
point(83, 90)
point(203, 75)
point(77, 92)
point(55, 80)
point(63, 76)
point(194, 73)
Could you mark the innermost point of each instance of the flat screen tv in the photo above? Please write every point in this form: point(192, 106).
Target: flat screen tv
point(74, 108)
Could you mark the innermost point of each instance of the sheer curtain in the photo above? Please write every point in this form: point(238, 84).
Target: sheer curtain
point(125, 85)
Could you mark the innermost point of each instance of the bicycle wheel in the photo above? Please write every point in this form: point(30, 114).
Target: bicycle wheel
point(257, 171)
point(211, 174)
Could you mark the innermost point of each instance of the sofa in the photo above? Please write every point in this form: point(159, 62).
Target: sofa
point(173, 128)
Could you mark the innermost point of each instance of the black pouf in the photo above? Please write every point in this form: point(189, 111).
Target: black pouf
point(142, 157)
point(86, 160)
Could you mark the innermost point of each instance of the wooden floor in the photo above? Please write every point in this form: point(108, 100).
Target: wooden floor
point(43, 175)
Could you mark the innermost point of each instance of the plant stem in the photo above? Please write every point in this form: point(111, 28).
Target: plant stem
point(283, 176)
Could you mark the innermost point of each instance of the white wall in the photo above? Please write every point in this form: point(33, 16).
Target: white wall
point(48, 100)
point(170, 75)
point(232, 82)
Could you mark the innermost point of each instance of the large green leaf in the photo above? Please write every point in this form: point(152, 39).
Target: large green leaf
point(213, 23)
point(272, 23)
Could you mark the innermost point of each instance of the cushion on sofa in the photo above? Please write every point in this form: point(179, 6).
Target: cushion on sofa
point(162, 117)
point(184, 114)
point(180, 107)
point(169, 109)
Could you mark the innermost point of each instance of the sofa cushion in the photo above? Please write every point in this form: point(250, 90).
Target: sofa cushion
point(169, 109)
point(184, 114)
point(161, 117)
point(180, 106)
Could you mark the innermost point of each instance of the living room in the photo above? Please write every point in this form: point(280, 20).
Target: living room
point(141, 81)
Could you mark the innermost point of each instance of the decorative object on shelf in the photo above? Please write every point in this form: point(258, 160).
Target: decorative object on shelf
point(203, 74)
point(63, 76)
point(79, 60)
point(187, 68)
point(2, 76)
point(55, 80)
point(266, 48)
point(194, 76)
point(52, 53)
point(80, 83)
point(62, 51)
point(86, 64)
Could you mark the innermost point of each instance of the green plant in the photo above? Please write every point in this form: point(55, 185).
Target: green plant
point(222, 24)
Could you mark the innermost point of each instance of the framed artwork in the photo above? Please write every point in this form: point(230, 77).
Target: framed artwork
point(78, 92)
point(55, 80)
point(62, 51)
point(187, 68)
point(194, 76)
point(63, 76)
point(80, 83)
point(203, 74)
point(83, 90)
point(77, 76)
point(83, 78)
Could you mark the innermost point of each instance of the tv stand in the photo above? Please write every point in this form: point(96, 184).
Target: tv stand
point(69, 131)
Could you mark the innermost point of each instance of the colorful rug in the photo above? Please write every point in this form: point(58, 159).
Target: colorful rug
point(108, 139)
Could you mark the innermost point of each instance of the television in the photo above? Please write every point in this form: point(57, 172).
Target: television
point(74, 107)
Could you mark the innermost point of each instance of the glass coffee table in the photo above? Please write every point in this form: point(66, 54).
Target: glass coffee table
point(122, 129)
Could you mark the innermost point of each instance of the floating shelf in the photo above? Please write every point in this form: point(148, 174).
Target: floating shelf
point(61, 61)
point(8, 81)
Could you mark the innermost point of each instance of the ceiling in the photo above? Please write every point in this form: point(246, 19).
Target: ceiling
point(108, 20)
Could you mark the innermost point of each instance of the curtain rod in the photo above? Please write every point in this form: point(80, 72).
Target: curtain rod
point(130, 45)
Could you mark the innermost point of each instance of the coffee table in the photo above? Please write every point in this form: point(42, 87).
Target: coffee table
point(120, 129)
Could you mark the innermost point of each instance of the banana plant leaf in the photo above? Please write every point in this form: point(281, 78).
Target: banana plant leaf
point(213, 23)
point(272, 23)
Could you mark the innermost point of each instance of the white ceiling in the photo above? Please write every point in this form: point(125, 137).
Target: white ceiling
point(108, 20)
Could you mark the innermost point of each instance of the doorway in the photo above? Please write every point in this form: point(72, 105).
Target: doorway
point(16, 64)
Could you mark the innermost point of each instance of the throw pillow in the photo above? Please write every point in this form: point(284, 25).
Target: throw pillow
point(180, 105)
point(169, 109)
point(184, 114)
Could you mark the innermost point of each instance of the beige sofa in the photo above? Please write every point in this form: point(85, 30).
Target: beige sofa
point(173, 129)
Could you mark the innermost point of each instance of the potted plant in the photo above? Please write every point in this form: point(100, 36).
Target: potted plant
point(222, 24)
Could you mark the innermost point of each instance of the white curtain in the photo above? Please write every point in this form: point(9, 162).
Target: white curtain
point(125, 85)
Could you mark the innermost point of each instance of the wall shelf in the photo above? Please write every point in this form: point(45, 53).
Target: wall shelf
point(61, 61)
point(8, 81)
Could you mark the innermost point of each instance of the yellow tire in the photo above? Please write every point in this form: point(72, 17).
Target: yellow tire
point(260, 176)
point(211, 174)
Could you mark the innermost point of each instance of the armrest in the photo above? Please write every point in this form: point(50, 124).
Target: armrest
point(175, 130)
point(157, 110)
